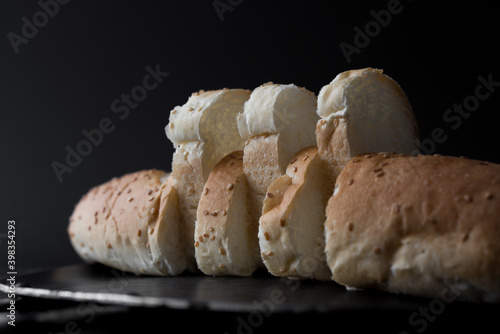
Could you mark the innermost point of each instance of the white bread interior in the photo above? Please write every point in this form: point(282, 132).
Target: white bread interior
point(277, 122)
point(203, 131)
point(364, 111)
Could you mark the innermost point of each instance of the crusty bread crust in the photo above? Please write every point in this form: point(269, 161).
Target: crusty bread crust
point(225, 239)
point(291, 229)
point(130, 223)
point(412, 224)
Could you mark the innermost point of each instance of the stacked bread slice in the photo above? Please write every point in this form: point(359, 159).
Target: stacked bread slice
point(276, 122)
point(203, 131)
point(361, 111)
point(303, 187)
point(131, 223)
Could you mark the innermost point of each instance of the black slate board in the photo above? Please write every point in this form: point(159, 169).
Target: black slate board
point(239, 294)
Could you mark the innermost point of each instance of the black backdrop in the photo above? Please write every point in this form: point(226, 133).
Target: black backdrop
point(70, 69)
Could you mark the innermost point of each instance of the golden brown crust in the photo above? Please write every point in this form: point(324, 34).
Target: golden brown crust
point(408, 224)
point(114, 223)
point(225, 239)
point(291, 234)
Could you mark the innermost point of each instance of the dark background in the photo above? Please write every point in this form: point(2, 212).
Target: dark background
point(65, 78)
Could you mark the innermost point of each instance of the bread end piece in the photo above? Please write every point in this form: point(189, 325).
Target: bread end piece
point(130, 223)
point(417, 225)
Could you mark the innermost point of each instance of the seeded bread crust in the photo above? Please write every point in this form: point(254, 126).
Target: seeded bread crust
point(291, 233)
point(225, 238)
point(130, 223)
point(414, 225)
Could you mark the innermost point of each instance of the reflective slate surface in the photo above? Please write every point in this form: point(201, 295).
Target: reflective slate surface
point(263, 293)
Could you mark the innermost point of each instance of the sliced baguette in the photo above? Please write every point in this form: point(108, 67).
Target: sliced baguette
point(203, 131)
point(277, 122)
point(361, 111)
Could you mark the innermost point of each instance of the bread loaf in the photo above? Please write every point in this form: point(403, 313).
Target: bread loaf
point(415, 225)
point(361, 111)
point(203, 131)
point(131, 223)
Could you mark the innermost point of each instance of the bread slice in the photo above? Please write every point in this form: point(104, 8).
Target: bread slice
point(203, 131)
point(131, 223)
point(426, 226)
point(364, 111)
point(225, 238)
point(291, 227)
point(361, 111)
point(277, 122)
